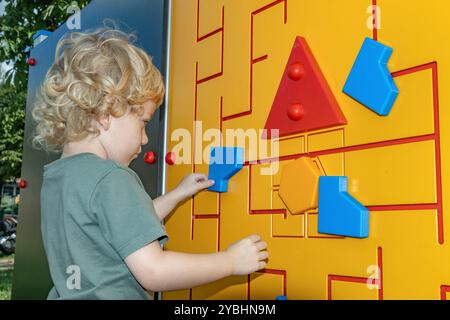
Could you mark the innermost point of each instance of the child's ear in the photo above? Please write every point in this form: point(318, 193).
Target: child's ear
point(104, 122)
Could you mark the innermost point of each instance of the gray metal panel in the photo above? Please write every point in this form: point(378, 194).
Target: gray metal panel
point(148, 19)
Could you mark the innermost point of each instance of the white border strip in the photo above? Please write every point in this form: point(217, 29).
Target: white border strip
point(166, 103)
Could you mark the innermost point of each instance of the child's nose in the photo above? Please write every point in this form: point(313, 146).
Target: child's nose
point(144, 139)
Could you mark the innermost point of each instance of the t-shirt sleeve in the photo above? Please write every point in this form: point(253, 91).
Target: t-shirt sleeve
point(125, 213)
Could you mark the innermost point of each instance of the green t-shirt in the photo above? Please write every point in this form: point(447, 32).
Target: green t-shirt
point(94, 213)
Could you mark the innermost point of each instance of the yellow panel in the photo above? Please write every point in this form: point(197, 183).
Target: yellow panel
point(231, 288)
point(326, 140)
point(209, 56)
point(205, 202)
point(401, 174)
point(208, 109)
point(237, 73)
point(261, 193)
point(179, 224)
point(312, 227)
point(404, 39)
point(352, 291)
point(210, 16)
point(435, 17)
point(288, 225)
point(291, 145)
point(404, 242)
point(261, 94)
point(176, 295)
point(277, 203)
point(182, 99)
point(205, 236)
point(264, 37)
point(267, 73)
point(234, 207)
point(414, 266)
point(276, 178)
point(265, 286)
point(333, 164)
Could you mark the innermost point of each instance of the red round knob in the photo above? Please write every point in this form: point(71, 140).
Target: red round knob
point(22, 184)
point(150, 157)
point(296, 71)
point(170, 158)
point(31, 61)
point(295, 112)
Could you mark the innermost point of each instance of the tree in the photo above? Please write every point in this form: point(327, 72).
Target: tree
point(22, 19)
point(12, 118)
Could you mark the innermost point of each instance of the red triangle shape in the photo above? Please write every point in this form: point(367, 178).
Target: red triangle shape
point(304, 101)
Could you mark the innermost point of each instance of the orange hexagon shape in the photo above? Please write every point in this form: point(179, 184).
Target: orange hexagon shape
point(299, 184)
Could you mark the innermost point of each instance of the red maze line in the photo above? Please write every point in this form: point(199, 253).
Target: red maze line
point(444, 290)
point(438, 206)
point(374, 21)
point(341, 278)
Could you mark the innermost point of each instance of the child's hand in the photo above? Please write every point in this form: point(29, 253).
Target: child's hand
point(247, 254)
point(191, 184)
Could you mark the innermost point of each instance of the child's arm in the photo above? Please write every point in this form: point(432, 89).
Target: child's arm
point(189, 186)
point(158, 270)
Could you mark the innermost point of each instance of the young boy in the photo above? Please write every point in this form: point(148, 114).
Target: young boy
point(102, 233)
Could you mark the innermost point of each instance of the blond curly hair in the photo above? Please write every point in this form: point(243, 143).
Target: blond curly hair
point(94, 74)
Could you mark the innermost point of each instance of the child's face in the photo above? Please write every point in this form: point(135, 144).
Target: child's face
point(125, 135)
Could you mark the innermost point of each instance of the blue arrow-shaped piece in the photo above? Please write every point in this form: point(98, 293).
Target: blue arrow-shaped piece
point(370, 81)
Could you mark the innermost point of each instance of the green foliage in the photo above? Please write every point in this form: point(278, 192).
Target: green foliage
point(12, 119)
point(8, 205)
point(21, 20)
point(6, 276)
